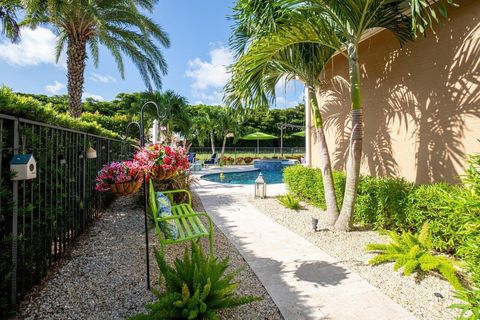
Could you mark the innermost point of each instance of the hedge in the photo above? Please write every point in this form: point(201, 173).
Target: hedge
point(30, 108)
point(395, 204)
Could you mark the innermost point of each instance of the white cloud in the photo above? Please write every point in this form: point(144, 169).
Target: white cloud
point(91, 95)
point(55, 88)
point(36, 47)
point(209, 76)
point(102, 78)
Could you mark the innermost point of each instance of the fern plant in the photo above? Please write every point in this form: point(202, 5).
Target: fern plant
point(196, 287)
point(289, 201)
point(413, 252)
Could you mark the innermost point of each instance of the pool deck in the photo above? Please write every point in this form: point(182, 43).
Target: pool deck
point(303, 281)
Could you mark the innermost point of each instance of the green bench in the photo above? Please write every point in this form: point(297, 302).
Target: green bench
point(187, 221)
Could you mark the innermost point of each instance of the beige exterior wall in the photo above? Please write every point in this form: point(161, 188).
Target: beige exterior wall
point(421, 103)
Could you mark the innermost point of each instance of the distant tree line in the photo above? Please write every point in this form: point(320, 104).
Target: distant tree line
point(202, 125)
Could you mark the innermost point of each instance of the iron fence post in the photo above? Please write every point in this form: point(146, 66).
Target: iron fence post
point(14, 219)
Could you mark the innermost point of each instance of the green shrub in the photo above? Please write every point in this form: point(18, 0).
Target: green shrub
point(306, 183)
point(30, 108)
point(395, 204)
point(451, 210)
point(381, 202)
point(472, 176)
point(289, 201)
point(196, 287)
point(470, 253)
point(412, 252)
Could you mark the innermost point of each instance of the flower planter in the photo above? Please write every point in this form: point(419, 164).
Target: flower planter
point(161, 174)
point(126, 188)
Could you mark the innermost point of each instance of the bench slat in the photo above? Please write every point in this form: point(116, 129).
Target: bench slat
point(200, 224)
point(193, 223)
point(179, 228)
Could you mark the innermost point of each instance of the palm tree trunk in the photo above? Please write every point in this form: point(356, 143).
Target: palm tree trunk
point(212, 142)
point(345, 220)
point(325, 163)
point(223, 146)
point(76, 55)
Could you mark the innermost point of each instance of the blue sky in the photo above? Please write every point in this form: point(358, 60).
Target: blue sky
point(197, 58)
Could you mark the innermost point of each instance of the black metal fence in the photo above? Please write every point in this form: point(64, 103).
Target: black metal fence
point(40, 218)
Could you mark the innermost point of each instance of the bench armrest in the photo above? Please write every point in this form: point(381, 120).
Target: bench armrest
point(171, 192)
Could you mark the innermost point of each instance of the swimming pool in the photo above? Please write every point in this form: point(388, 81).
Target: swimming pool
point(246, 177)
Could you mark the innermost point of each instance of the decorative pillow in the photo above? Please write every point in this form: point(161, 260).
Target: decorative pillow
point(168, 227)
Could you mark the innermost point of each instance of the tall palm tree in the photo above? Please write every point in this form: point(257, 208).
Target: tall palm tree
point(120, 26)
point(340, 25)
point(256, 75)
point(8, 19)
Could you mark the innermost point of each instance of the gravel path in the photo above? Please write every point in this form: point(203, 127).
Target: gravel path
point(104, 276)
point(413, 293)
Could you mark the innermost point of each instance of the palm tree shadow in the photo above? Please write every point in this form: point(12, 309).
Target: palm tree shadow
point(403, 102)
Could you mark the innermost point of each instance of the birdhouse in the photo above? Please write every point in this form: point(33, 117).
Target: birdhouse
point(260, 187)
point(23, 167)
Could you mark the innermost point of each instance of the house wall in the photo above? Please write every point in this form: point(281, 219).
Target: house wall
point(421, 103)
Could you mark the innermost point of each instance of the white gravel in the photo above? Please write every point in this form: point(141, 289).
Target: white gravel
point(104, 276)
point(414, 293)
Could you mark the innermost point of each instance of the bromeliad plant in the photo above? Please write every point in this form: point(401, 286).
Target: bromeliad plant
point(413, 253)
point(289, 201)
point(161, 161)
point(196, 287)
point(118, 173)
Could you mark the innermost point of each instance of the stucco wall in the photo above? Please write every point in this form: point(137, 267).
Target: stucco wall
point(421, 103)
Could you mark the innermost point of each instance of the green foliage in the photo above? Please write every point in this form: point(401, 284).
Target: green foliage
point(306, 183)
point(289, 201)
point(472, 176)
point(30, 108)
point(381, 202)
point(205, 118)
point(470, 305)
point(395, 204)
point(451, 209)
point(196, 287)
point(412, 252)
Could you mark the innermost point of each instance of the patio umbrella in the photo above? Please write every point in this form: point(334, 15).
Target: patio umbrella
point(259, 136)
point(299, 134)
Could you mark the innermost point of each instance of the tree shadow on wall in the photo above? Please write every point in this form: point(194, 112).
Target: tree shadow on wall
point(411, 100)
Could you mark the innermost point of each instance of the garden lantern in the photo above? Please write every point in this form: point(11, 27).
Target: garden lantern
point(23, 166)
point(260, 187)
point(91, 153)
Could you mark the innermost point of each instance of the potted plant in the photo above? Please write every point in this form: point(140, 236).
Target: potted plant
point(121, 178)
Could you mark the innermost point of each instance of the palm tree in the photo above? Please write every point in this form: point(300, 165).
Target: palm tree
point(340, 26)
point(227, 124)
point(175, 107)
point(120, 26)
point(8, 19)
point(256, 75)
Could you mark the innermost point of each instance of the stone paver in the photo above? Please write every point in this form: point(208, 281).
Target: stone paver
point(303, 281)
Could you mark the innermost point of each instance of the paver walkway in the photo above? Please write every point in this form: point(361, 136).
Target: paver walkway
point(303, 281)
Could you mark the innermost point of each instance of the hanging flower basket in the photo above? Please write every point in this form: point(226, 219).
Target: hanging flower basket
point(161, 162)
point(121, 178)
point(126, 188)
point(159, 173)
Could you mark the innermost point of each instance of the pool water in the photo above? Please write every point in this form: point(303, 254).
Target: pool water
point(246, 177)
